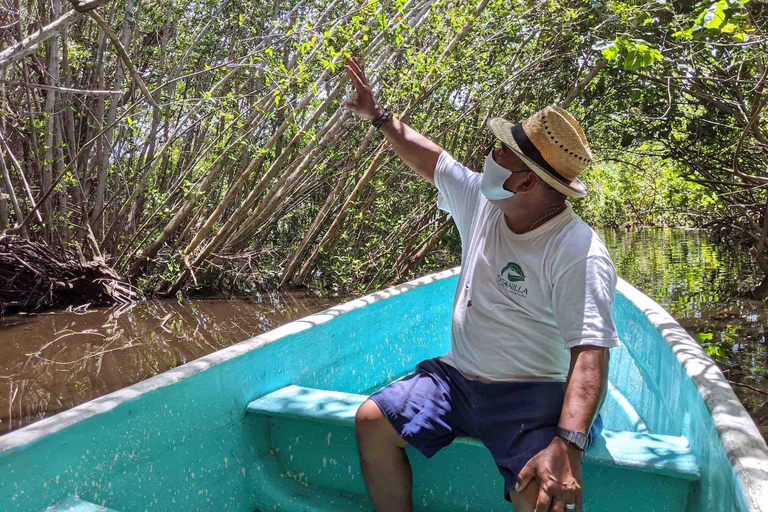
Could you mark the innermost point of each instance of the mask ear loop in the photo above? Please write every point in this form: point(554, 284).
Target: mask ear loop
point(489, 147)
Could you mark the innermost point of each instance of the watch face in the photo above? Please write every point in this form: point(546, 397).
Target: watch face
point(577, 438)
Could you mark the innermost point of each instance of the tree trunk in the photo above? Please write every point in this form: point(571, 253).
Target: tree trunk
point(97, 210)
point(50, 125)
point(314, 229)
point(3, 212)
point(330, 236)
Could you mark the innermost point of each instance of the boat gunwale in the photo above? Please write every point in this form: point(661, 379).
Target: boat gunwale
point(744, 445)
point(35, 431)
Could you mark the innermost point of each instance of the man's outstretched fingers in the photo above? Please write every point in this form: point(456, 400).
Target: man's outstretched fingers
point(353, 76)
point(352, 63)
point(359, 65)
point(364, 105)
point(358, 83)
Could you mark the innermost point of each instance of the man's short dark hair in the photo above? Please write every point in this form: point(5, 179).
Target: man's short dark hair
point(551, 190)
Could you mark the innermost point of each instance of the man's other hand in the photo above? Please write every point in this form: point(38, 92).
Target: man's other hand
point(365, 104)
point(557, 469)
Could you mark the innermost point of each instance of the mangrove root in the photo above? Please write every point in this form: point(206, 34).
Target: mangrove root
point(33, 277)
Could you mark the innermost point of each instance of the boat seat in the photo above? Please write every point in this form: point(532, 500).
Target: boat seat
point(311, 435)
point(74, 504)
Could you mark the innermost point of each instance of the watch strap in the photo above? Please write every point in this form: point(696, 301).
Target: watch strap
point(577, 439)
point(382, 119)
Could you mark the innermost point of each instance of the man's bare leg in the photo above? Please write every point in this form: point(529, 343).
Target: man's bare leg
point(385, 465)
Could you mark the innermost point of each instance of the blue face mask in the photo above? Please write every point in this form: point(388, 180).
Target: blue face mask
point(494, 177)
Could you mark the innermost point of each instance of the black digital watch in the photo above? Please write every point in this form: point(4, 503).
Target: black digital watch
point(577, 439)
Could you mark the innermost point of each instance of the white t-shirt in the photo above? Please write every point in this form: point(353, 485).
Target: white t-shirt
point(524, 299)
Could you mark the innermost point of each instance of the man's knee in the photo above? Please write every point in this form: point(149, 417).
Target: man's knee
point(370, 422)
point(368, 414)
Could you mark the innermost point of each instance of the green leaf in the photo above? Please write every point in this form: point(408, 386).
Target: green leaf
point(730, 27)
point(633, 61)
point(715, 15)
point(740, 37)
point(714, 351)
point(611, 52)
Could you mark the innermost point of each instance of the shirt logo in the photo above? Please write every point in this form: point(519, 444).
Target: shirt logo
point(513, 272)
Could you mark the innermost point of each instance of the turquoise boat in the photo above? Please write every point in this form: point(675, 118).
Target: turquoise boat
point(268, 424)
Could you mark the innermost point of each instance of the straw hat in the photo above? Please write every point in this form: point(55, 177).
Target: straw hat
point(552, 144)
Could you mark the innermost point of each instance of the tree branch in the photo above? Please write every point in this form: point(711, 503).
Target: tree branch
point(123, 55)
point(30, 44)
point(67, 90)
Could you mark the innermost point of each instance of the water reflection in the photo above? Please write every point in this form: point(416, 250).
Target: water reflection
point(52, 362)
point(704, 285)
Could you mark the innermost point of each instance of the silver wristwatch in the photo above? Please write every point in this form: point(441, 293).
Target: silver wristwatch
point(577, 439)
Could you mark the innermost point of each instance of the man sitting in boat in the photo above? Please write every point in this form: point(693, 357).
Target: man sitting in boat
point(531, 325)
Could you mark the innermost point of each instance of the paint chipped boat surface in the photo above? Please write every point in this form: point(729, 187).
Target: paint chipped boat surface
point(267, 424)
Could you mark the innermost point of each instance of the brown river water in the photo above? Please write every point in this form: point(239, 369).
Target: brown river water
point(54, 361)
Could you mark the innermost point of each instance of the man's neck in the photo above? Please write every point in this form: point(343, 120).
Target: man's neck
point(521, 219)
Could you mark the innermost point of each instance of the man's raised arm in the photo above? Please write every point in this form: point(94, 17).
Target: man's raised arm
point(417, 151)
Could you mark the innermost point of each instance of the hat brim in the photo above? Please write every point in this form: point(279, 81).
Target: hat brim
point(502, 130)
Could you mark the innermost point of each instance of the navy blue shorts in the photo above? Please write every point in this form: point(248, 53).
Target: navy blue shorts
point(514, 420)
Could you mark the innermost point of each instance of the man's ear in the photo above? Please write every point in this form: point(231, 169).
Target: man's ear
point(528, 183)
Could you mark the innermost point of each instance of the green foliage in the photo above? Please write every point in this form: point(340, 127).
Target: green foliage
point(634, 190)
point(721, 17)
point(664, 117)
point(630, 54)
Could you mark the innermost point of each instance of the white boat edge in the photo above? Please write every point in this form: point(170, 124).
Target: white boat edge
point(102, 404)
point(744, 446)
